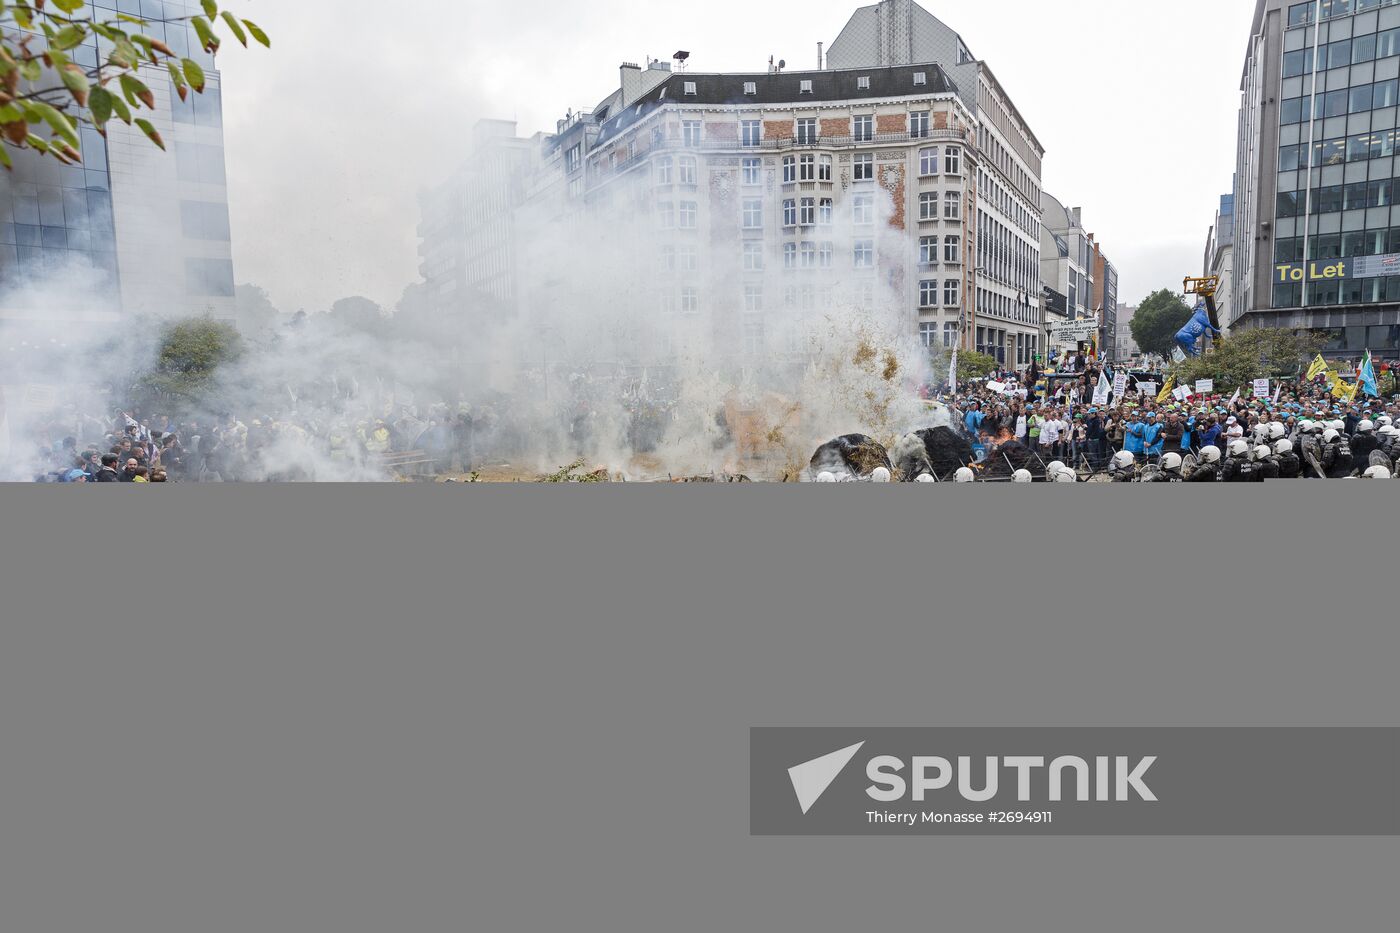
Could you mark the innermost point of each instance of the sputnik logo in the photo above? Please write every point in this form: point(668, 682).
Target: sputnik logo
point(811, 778)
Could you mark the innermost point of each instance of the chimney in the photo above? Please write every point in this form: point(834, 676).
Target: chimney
point(630, 81)
point(820, 59)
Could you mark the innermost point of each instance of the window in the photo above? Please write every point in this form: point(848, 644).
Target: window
point(950, 333)
point(750, 87)
point(690, 89)
point(950, 293)
point(928, 161)
point(952, 249)
point(668, 301)
point(753, 298)
point(199, 163)
point(952, 206)
point(824, 168)
point(920, 78)
point(790, 213)
point(865, 254)
point(807, 131)
point(789, 255)
point(806, 87)
point(200, 109)
point(809, 255)
point(928, 250)
point(753, 213)
point(688, 213)
point(690, 299)
point(668, 259)
point(666, 214)
point(864, 128)
point(753, 338)
point(928, 296)
point(952, 161)
point(690, 132)
point(199, 220)
point(789, 169)
point(573, 158)
point(753, 255)
point(928, 205)
point(212, 277)
point(1300, 14)
point(1297, 63)
point(825, 254)
point(865, 166)
point(753, 172)
point(750, 133)
point(808, 168)
point(863, 83)
point(688, 258)
point(826, 212)
point(918, 125)
point(863, 209)
point(689, 171)
point(809, 212)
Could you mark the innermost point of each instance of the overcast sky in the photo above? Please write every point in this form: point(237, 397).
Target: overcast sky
point(332, 134)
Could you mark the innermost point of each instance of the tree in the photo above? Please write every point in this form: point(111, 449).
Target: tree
point(254, 309)
point(191, 353)
point(973, 365)
point(42, 86)
point(1236, 361)
point(1157, 320)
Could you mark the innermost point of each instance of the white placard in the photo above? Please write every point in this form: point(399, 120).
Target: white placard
point(1261, 388)
point(1205, 386)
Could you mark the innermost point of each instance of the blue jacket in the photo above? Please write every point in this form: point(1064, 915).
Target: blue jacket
point(1133, 438)
point(973, 420)
point(1211, 434)
point(1152, 441)
point(1187, 433)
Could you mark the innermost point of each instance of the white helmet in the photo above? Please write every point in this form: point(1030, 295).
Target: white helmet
point(1337, 424)
point(1022, 476)
point(1366, 427)
point(1330, 435)
point(1276, 430)
point(1262, 452)
point(826, 477)
point(1385, 420)
point(1054, 468)
point(1171, 461)
point(1210, 454)
point(925, 478)
point(1283, 447)
point(1376, 472)
point(880, 475)
point(1239, 448)
point(965, 475)
point(1066, 476)
point(1317, 427)
point(1389, 430)
point(1305, 425)
point(1122, 460)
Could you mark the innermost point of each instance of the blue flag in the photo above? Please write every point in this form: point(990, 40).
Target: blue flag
point(1366, 377)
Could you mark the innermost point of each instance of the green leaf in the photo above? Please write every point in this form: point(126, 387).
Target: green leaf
point(5, 159)
point(120, 109)
point(76, 82)
point(100, 103)
point(32, 70)
point(134, 20)
point(37, 142)
point(61, 125)
point(236, 28)
point(207, 39)
point(211, 9)
point(256, 32)
point(68, 37)
point(151, 133)
point(68, 6)
point(136, 91)
point(176, 76)
point(194, 74)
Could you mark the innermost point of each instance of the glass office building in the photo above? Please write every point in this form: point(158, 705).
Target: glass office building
point(132, 230)
point(1317, 219)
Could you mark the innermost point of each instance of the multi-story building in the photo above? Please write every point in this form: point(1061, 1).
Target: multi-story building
point(133, 230)
point(467, 236)
point(1006, 304)
point(1317, 231)
point(1220, 252)
point(1125, 348)
point(1105, 288)
point(756, 204)
point(1066, 267)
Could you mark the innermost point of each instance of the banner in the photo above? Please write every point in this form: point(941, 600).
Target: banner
point(1073, 331)
point(1205, 386)
point(1168, 391)
point(1101, 390)
point(1149, 388)
point(1120, 385)
point(1318, 367)
point(1178, 355)
point(1261, 388)
point(1366, 377)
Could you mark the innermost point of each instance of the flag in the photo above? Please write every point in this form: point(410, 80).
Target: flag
point(1166, 391)
point(1318, 367)
point(953, 372)
point(1233, 399)
point(1278, 391)
point(1366, 377)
